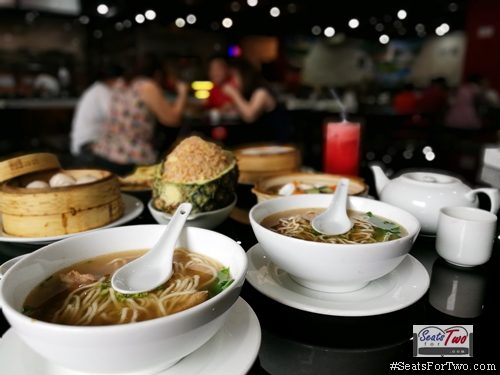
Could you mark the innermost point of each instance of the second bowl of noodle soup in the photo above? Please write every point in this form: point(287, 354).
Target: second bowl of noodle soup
point(59, 300)
point(381, 237)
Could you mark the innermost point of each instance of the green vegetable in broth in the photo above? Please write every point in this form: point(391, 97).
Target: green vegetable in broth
point(222, 283)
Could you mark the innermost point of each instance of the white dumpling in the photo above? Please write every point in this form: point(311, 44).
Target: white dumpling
point(61, 179)
point(287, 189)
point(85, 179)
point(37, 184)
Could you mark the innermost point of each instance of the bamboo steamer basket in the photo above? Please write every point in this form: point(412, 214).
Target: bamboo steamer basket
point(357, 186)
point(256, 161)
point(45, 212)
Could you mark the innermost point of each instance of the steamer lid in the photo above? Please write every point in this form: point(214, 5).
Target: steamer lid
point(25, 164)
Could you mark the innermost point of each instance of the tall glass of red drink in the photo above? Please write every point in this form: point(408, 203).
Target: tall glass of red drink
point(341, 142)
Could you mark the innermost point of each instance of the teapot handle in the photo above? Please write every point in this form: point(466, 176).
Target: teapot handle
point(493, 194)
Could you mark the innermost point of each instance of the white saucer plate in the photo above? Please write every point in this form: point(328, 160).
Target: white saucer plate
point(133, 208)
point(232, 350)
point(400, 288)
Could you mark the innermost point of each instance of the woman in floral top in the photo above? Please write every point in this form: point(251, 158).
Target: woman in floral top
point(137, 103)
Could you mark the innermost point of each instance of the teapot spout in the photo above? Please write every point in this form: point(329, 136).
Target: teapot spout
point(380, 178)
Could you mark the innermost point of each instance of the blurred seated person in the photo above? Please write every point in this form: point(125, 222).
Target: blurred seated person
point(137, 104)
point(91, 111)
point(405, 101)
point(463, 112)
point(219, 75)
point(256, 103)
point(434, 99)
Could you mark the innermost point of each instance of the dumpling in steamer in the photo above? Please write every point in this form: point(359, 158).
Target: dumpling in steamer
point(37, 184)
point(61, 179)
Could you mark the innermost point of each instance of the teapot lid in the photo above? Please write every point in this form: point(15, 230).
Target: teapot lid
point(430, 178)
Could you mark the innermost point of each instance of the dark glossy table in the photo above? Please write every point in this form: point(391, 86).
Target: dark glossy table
point(299, 342)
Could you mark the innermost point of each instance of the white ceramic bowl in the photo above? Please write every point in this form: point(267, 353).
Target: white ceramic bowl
point(333, 267)
point(206, 220)
point(140, 348)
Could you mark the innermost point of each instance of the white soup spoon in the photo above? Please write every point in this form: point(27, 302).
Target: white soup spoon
point(155, 267)
point(335, 220)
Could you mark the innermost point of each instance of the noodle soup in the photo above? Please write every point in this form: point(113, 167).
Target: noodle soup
point(367, 228)
point(82, 295)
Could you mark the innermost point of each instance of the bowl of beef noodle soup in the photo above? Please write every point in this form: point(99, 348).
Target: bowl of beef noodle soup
point(381, 237)
point(59, 299)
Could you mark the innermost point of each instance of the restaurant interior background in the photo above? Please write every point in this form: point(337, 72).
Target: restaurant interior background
point(303, 48)
point(51, 50)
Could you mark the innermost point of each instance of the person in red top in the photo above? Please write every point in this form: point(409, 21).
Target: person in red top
point(405, 102)
point(218, 74)
point(434, 99)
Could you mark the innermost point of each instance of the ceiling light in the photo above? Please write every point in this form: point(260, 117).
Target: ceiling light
point(102, 9)
point(202, 85)
point(275, 12)
point(150, 14)
point(179, 22)
point(384, 39)
point(235, 6)
point(227, 23)
point(201, 94)
point(191, 19)
point(329, 32)
point(402, 14)
point(419, 27)
point(252, 3)
point(84, 20)
point(139, 18)
point(353, 23)
point(316, 30)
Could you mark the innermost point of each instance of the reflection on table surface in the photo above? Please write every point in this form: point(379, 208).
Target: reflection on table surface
point(299, 342)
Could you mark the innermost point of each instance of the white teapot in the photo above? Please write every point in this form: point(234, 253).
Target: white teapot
point(423, 194)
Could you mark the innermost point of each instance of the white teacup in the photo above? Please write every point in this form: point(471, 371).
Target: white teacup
point(465, 235)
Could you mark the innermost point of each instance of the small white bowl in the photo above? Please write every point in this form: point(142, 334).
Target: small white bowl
point(142, 348)
point(333, 267)
point(206, 220)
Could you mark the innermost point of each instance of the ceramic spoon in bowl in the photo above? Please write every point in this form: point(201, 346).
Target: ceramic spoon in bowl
point(335, 220)
point(155, 267)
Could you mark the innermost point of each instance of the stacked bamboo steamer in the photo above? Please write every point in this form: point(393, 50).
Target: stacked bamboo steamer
point(53, 211)
point(256, 161)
